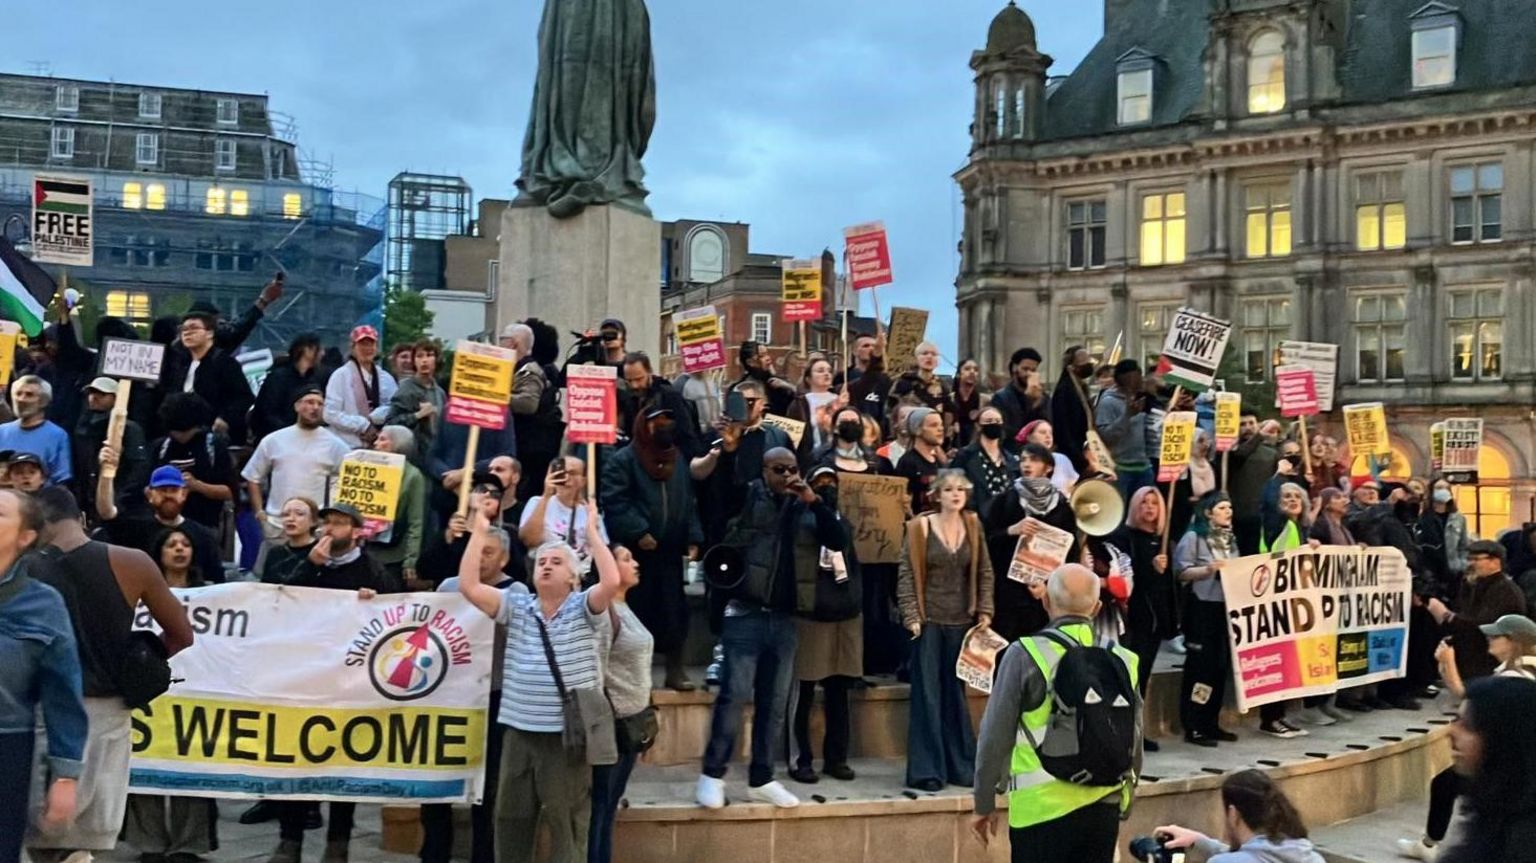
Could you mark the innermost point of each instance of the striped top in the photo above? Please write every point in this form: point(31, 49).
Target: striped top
point(530, 699)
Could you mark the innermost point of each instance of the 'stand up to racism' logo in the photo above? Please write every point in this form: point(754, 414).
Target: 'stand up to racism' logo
point(1258, 582)
point(407, 663)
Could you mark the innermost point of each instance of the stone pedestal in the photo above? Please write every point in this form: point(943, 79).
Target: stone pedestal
point(573, 273)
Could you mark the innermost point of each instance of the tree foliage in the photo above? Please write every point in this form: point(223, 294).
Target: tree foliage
point(406, 317)
point(1258, 396)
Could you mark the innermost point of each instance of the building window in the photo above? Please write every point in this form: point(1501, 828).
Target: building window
point(147, 149)
point(293, 205)
point(706, 256)
point(1162, 229)
point(762, 328)
point(239, 202)
point(1135, 97)
point(1083, 326)
point(1434, 57)
point(1477, 334)
point(1085, 234)
point(1268, 206)
point(66, 97)
point(1152, 322)
point(1000, 108)
point(133, 196)
point(1381, 220)
point(149, 106)
point(1266, 73)
point(1266, 323)
point(1487, 504)
point(154, 197)
point(224, 155)
point(1380, 337)
point(1018, 112)
point(1477, 203)
point(131, 306)
point(63, 142)
point(217, 202)
point(229, 112)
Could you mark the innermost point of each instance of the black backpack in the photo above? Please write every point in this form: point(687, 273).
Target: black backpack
point(1090, 738)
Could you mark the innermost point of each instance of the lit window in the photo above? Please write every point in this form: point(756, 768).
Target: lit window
point(1266, 73)
point(1135, 96)
point(1266, 322)
point(1152, 323)
point(229, 112)
point(66, 97)
point(762, 328)
point(1477, 203)
point(1162, 229)
point(1268, 206)
point(1381, 222)
point(154, 197)
point(1434, 57)
point(1487, 504)
point(1085, 234)
point(131, 306)
point(239, 202)
point(149, 106)
point(1084, 326)
point(217, 202)
point(147, 148)
point(1380, 336)
point(224, 155)
point(293, 205)
point(1477, 334)
point(63, 142)
point(133, 196)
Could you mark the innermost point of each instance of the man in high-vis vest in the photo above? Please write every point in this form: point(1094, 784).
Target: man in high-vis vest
point(1049, 819)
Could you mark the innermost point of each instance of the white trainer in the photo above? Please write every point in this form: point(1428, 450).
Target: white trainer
point(1418, 849)
point(775, 793)
point(710, 792)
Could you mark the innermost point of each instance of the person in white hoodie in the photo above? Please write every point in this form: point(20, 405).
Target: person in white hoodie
point(1261, 826)
point(357, 395)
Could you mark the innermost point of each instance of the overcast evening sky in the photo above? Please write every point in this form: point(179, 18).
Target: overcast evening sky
point(796, 116)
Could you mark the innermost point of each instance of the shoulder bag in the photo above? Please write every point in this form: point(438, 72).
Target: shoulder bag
point(588, 717)
point(636, 733)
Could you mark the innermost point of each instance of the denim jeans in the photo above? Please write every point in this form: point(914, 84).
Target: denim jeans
point(940, 741)
point(1132, 481)
point(608, 783)
point(760, 664)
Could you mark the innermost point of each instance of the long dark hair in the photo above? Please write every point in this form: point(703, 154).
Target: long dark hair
point(1262, 806)
point(194, 575)
point(1498, 709)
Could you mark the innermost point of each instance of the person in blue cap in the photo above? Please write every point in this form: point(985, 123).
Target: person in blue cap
point(167, 495)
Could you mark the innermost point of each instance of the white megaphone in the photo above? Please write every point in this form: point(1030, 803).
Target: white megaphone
point(1097, 506)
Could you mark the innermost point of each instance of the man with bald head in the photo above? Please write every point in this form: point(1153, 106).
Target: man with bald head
point(782, 528)
point(1050, 818)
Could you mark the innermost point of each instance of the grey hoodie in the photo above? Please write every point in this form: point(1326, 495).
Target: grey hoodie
point(1259, 849)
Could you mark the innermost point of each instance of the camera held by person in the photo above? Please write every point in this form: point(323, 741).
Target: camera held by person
point(1261, 826)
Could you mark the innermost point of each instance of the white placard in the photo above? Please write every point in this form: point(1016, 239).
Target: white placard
point(139, 361)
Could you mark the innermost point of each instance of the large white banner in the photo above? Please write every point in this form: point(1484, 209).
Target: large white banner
point(307, 694)
point(1314, 621)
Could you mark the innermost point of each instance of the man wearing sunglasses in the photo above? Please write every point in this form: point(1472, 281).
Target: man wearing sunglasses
point(780, 533)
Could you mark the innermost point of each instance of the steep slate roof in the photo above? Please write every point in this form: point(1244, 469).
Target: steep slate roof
point(1376, 63)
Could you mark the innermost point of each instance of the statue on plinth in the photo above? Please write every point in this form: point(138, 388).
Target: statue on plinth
point(594, 106)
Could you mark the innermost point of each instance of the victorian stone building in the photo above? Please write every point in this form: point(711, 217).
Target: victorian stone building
point(1349, 171)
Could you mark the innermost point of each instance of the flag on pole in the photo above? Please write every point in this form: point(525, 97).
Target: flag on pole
point(25, 289)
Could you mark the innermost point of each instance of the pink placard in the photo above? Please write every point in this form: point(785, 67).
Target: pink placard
point(703, 356)
point(1270, 668)
point(867, 249)
point(1296, 388)
point(473, 412)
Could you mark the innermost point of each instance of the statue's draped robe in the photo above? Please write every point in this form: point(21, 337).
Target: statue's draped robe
point(594, 106)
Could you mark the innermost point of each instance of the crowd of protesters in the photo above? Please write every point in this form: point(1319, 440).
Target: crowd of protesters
point(586, 589)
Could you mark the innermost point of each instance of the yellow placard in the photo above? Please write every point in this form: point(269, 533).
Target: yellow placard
point(1178, 443)
point(801, 281)
point(9, 331)
point(1317, 659)
point(1366, 426)
point(482, 372)
point(696, 326)
point(252, 734)
point(1229, 419)
point(1436, 446)
point(370, 480)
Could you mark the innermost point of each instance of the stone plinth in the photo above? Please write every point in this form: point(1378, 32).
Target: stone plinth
point(573, 273)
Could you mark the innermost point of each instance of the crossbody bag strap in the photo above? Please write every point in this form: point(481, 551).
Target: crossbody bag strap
point(549, 654)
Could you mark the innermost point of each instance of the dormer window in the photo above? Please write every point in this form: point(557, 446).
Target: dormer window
point(1133, 91)
point(1266, 73)
point(1436, 30)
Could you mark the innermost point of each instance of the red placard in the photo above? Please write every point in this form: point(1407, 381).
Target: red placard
point(591, 402)
point(1296, 389)
point(473, 412)
point(797, 311)
point(703, 356)
point(867, 251)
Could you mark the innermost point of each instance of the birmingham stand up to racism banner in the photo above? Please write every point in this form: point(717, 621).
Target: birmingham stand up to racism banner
point(306, 694)
point(1314, 621)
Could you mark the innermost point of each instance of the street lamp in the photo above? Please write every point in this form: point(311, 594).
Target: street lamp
point(22, 243)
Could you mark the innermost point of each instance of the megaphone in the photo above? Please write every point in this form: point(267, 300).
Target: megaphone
point(724, 567)
point(1098, 507)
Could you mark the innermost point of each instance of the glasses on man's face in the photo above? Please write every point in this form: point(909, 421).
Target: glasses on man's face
point(785, 469)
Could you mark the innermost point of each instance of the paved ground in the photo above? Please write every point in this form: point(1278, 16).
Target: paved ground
point(240, 843)
point(1372, 839)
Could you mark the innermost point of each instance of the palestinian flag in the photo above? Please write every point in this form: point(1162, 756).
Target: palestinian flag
point(62, 196)
point(25, 289)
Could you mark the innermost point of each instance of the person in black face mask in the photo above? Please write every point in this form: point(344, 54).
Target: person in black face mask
point(1068, 417)
point(648, 507)
point(987, 464)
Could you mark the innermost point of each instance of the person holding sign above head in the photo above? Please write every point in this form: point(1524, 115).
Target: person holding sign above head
point(166, 495)
point(356, 392)
point(1198, 559)
point(213, 374)
point(31, 432)
point(91, 433)
point(1011, 517)
point(944, 589)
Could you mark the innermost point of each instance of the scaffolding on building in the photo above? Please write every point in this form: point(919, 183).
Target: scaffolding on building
point(424, 209)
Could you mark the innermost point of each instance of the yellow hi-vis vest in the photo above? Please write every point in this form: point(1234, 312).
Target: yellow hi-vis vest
point(1288, 539)
point(1035, 796)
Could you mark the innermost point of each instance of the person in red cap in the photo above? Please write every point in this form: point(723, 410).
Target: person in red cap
point(357, 395)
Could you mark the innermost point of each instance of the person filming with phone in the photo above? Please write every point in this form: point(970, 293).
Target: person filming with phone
point(1260, 825)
